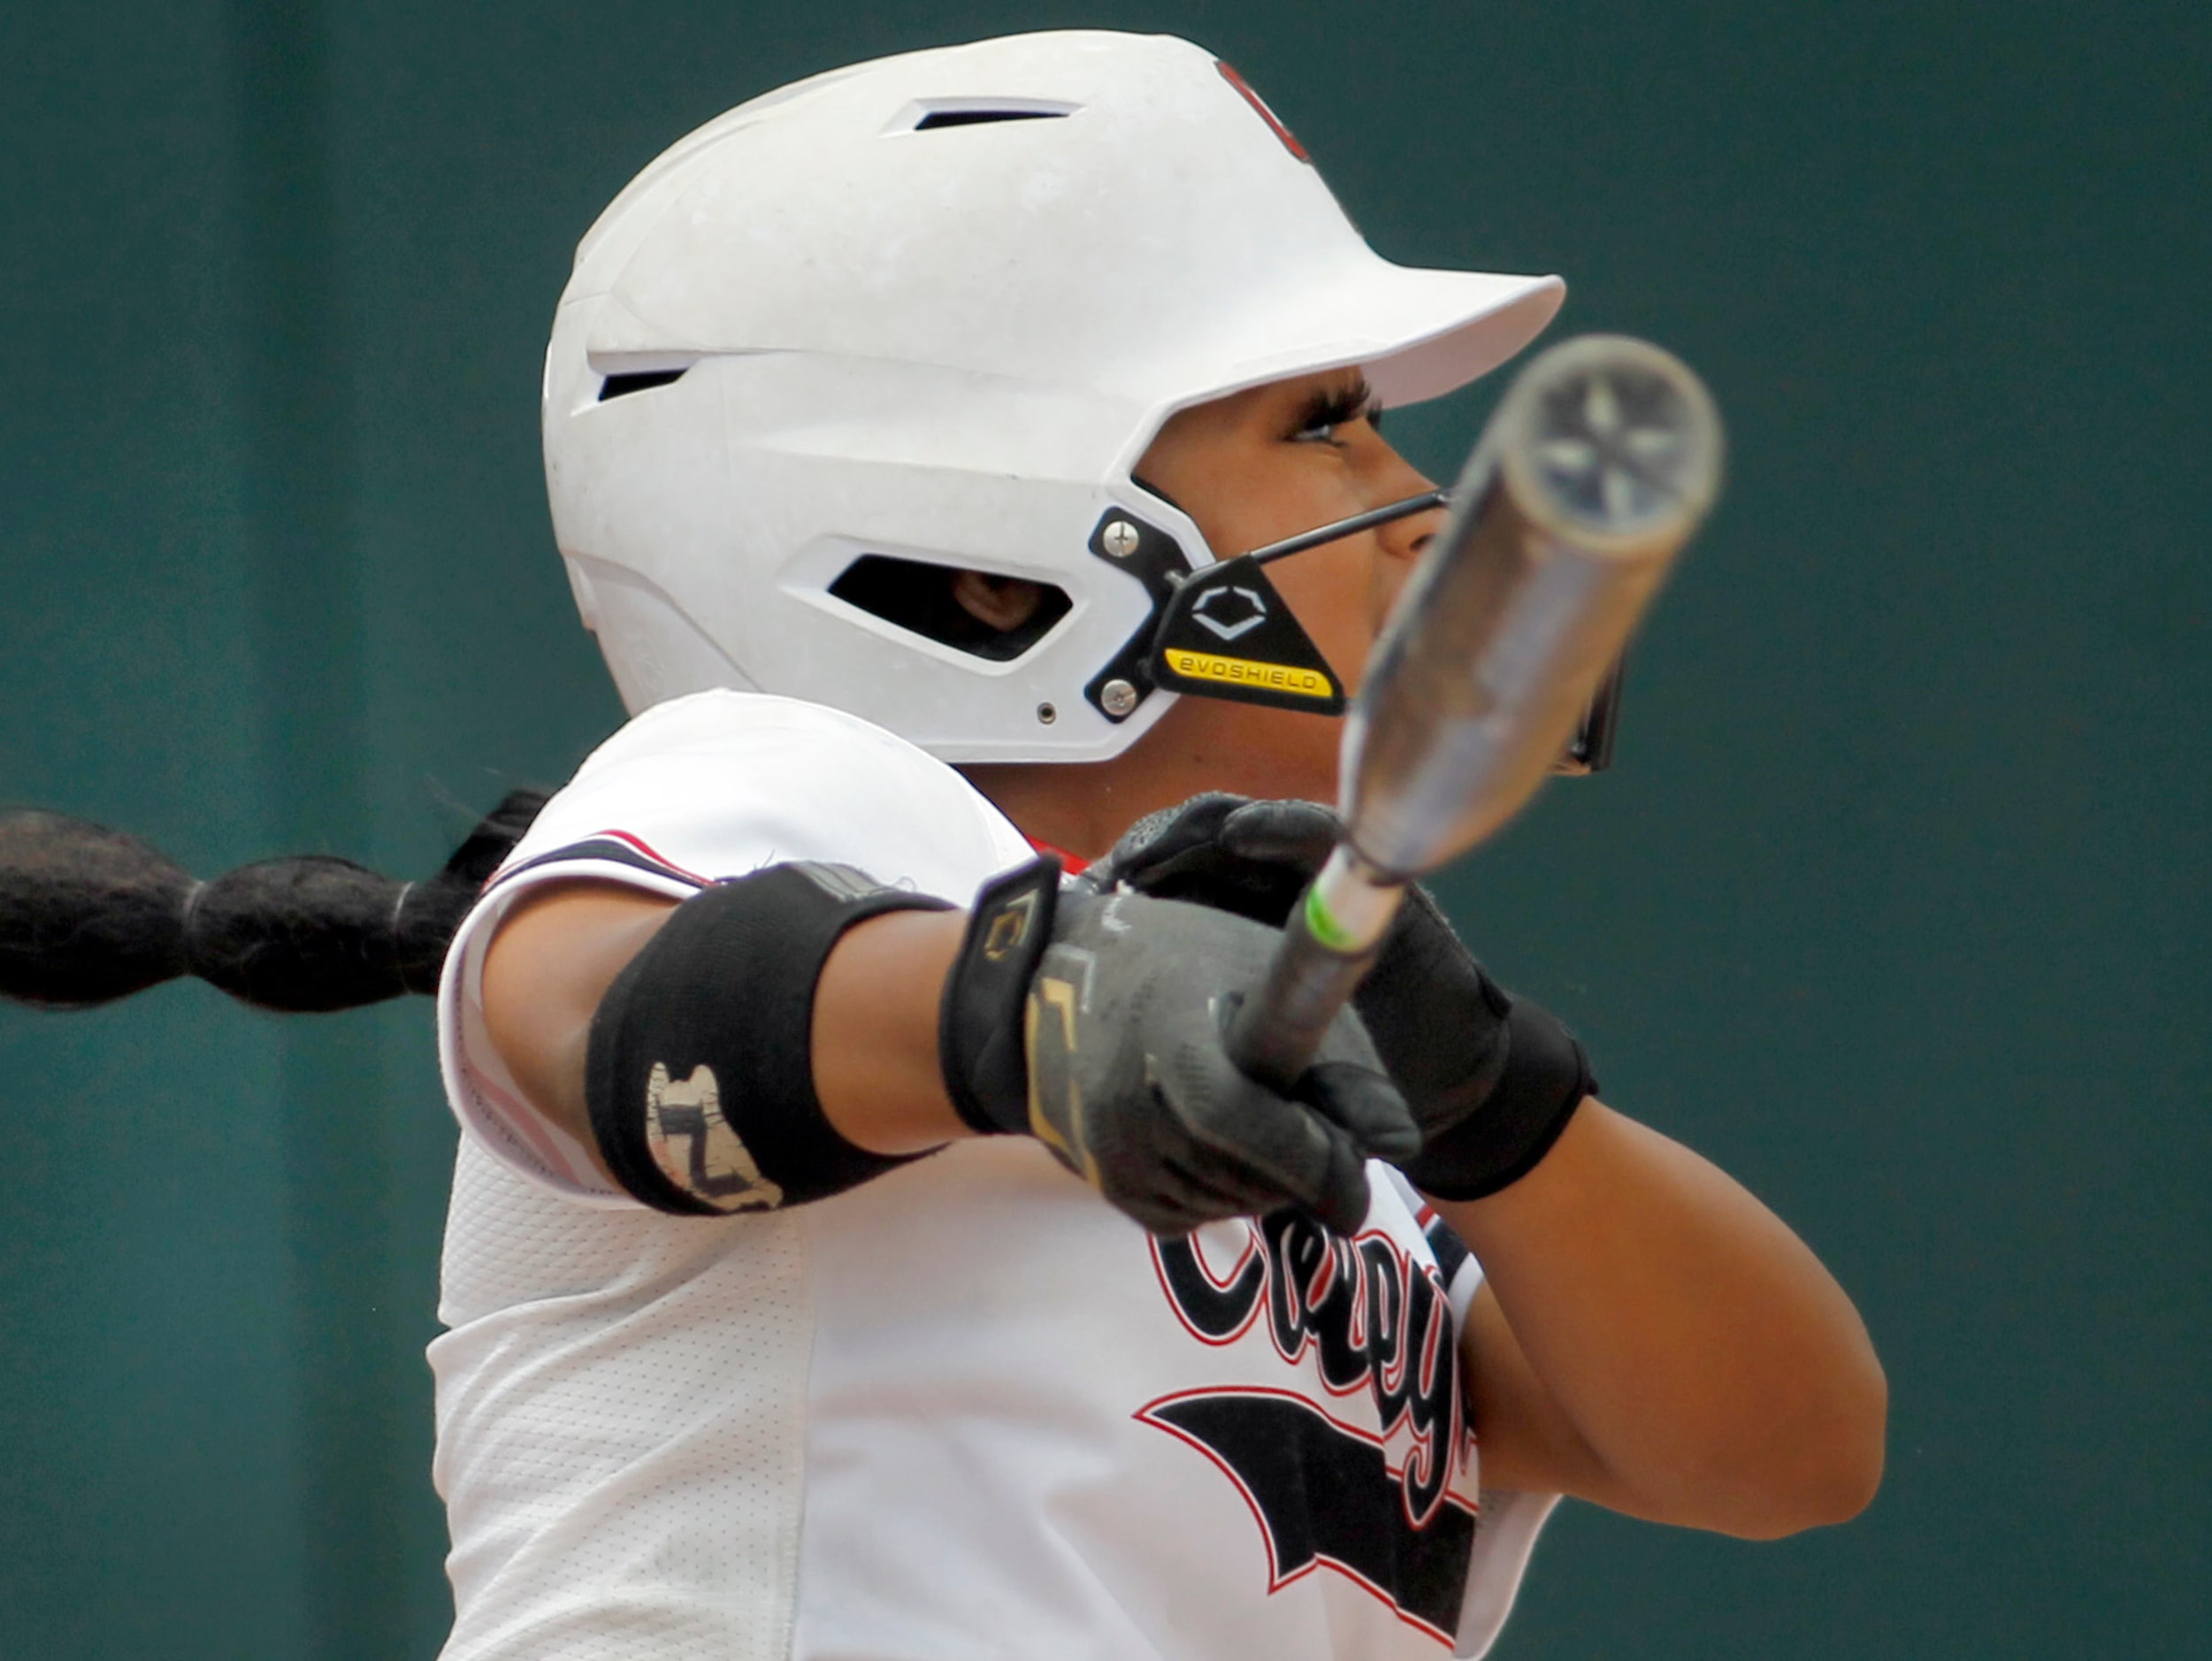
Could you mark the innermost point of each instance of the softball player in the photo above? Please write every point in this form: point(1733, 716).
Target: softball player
point(861, 1247)
point(882, 416)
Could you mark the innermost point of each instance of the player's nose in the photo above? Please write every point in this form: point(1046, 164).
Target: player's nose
point(1389, 477)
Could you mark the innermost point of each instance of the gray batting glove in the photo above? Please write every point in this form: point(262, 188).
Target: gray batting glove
point(1491, 1079)
point(1123, 1070)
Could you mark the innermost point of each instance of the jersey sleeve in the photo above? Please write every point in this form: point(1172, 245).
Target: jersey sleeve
point(697, 791)
point(1509, 1521)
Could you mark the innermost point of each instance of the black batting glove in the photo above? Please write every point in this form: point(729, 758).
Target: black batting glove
point(1491, 1079)
point(1095, 1023)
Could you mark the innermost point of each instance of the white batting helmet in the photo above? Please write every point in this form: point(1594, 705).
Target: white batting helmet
point(928, 311)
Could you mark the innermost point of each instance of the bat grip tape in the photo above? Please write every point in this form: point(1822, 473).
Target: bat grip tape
point(1274, 1036)
point(1329, 942)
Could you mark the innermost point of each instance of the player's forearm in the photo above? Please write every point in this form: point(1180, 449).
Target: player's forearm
point(1711, 1372)
point(876, 1067)
point(875, 1026)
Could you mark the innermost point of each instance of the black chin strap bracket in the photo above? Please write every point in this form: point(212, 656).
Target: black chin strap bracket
point(1127, 543)
point(1225, 633)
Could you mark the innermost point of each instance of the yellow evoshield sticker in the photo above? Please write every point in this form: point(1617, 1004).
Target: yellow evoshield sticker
point(1238, 671)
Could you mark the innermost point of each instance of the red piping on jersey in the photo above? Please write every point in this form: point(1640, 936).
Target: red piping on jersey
point(1073, 864)
point(652, 853)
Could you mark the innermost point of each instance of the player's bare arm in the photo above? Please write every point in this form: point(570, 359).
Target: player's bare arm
point(1652, 1338)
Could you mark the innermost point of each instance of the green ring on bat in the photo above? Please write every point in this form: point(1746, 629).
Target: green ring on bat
point(1322, 924)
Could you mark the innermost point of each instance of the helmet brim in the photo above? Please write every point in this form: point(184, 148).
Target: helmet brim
point(1416, 334)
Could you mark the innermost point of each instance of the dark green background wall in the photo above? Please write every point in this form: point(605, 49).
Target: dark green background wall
point(1896, 903)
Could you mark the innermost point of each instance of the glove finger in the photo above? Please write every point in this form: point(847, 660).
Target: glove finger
point(1342, 1203)
point(1171, 1196)
point(1302, 1158)
point(1365, 1105)
point(1151, 1165)
point(1159, 838)
point(1167, 1217)
point(1298, 834)
point(1235, 1125)
point(1232, 1189)
point(1202, 872)
point(1180, 1192)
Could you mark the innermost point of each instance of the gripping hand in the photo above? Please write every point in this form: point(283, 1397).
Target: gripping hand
point(1491, 1079)
point(1094, 1022)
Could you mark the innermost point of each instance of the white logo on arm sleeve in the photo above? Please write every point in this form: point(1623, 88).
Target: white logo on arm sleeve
point(696, 1149)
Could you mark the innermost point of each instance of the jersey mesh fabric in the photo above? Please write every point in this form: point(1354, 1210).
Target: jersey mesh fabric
point(957, 1412)
point(621, 1412)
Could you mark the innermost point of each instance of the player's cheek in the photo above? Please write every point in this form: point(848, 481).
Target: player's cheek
point(1390, 573)
point(1331, 592)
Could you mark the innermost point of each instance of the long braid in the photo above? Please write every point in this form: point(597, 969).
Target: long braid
point(88, 914)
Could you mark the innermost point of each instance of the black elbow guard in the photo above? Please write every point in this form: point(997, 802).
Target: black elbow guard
point(699, 1075)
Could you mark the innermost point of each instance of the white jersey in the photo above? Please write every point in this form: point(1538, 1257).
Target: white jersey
point(966, 1410)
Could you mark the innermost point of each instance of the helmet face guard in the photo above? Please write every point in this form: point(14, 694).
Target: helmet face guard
point(1223, 632)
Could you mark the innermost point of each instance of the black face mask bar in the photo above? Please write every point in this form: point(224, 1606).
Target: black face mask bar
point(1225, 632)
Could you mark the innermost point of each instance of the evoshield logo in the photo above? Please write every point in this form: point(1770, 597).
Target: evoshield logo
point(1229, 612)
point(1243, 671)
point(1377, 1504)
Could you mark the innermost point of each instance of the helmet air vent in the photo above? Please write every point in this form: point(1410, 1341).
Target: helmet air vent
point(641, 380)
point(918, 597)
point(975, 118)
point(931, 115)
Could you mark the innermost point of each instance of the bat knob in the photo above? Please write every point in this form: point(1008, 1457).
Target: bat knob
point(1611, 437)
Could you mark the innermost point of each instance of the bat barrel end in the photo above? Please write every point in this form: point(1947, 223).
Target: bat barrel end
point(1611, 440)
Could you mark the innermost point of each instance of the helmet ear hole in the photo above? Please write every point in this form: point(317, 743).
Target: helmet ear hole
point(997, 618)
point(1007, 603)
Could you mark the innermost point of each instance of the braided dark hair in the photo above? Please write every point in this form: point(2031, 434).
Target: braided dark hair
point(88, 914)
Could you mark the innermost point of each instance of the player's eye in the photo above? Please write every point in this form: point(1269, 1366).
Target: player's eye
point(1329, 409)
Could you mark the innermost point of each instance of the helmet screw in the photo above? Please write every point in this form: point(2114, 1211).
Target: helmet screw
point(1119, 539)
point(1046, 715)
point(1117, 698)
